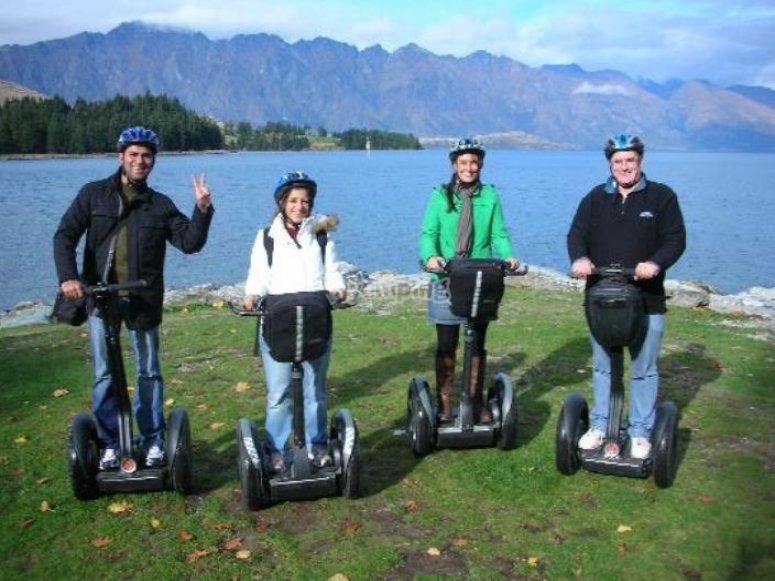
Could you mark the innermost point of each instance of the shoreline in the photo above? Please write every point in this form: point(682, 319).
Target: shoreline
point(757, 304)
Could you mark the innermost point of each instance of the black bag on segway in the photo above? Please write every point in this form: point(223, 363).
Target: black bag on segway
point(296, 326)
point(615, 312)
point(475, 287)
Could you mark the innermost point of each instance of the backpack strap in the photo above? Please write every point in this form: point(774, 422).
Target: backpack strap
point(322, 237)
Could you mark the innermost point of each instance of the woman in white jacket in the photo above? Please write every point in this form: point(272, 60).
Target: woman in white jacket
point(297, 264)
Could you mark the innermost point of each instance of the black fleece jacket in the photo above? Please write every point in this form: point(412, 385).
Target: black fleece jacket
point(646, 226)
point(152, 220)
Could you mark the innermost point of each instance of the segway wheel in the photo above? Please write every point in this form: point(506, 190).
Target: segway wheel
point(179, 451)
point(344, 437)
point(665, 444)
point(420, 411)
point(83, 457)
point(572, 423)
point(249, 466)
point(502, 394)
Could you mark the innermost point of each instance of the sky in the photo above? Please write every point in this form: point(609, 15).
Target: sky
point(726, 42)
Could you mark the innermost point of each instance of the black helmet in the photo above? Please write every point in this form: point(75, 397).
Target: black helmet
point(138, 135)
point(623, 142)
point(466, 145)
point(295, 178)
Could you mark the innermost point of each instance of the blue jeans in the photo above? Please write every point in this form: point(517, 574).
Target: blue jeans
point(279, 396)
point(644, 381)
point(148, 400)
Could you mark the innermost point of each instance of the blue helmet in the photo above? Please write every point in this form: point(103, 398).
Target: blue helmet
point(623, 142)
point(466, 145)
point(138, 135)
point(295, 178)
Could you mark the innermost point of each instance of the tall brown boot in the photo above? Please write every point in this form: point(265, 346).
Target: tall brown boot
point(445, 381)
point(476, 385)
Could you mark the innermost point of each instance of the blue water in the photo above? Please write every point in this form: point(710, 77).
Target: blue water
point(380, 197)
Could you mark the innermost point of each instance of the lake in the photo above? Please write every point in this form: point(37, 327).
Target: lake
point(380, 197)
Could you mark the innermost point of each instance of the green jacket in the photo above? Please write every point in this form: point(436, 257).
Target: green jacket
point(439, 226)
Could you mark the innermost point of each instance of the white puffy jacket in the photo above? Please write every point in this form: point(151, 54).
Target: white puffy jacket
point(296, 264)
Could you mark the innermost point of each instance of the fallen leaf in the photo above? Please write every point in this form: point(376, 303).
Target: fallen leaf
point(532, 561)
point(705, 498)
point(216, 425)
point(621, 547)
point(241, 386)
point(233, 544)
point(100, 542)
point(349, 527)
point(434, 552)
point(261, 527)
point(20, 440)
point(624, 529)
point(120, 507)
point(716, 365)
point(460, 542)
point(26, 523)
point(201, 406)
point(338, 577)
point(154, 522)
point(221, 526)
point(61, 392)
point(42, 481)
point(196, 555)
point(185, 536)
point(174, 381)
point(244, 554)
point(169, 401)
point(412, 505)
point(45, 506)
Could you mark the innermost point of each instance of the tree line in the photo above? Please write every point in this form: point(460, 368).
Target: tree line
point(52, 126)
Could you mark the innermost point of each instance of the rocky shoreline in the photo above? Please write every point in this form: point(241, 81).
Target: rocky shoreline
point(753, 308)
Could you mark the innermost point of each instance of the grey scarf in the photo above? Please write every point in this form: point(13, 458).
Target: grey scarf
point(465, 225)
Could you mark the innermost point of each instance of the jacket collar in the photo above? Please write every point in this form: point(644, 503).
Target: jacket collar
point(611, 187)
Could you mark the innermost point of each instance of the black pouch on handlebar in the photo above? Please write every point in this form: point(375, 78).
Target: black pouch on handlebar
point(475, 287)
point(72, 312)
point(296, 326)
point(615, 312)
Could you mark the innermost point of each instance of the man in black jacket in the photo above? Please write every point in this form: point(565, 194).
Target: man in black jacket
point(127, 226)
point(631, 222)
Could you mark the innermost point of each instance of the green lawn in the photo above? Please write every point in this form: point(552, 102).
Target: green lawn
point(454, 514)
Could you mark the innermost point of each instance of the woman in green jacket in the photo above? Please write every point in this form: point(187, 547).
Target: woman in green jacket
point(463, 218)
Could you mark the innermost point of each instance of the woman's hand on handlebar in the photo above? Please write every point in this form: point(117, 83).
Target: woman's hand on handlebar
point(511, 263)
point(250, 302)
point(435, 264)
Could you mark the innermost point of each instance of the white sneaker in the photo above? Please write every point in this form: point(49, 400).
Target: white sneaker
point(155, 456)
point(640, 448)
point(592, 440)
point(109, 459)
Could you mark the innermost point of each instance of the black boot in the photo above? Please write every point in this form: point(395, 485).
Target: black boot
point(476, 386)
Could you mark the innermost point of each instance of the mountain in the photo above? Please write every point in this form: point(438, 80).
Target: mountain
point(13, 91)
point(324, 83)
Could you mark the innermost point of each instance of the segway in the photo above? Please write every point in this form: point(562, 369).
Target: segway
point(132, 475)
point(616, 318)
point(476, 288)
point(301, 480)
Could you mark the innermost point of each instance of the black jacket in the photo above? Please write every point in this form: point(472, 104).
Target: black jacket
point(151, 221)
point(648, 226)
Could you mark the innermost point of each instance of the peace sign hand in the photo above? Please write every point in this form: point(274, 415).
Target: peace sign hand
point(203, 196)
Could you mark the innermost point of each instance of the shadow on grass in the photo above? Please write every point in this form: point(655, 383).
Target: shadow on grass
point(560, 367)
point(682, 375)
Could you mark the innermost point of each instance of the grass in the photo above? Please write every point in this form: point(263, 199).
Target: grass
point(454, 514)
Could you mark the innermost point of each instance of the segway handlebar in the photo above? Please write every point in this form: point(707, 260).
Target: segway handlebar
point(521, 270)
point(613, 271)
point(115, 287)
point(334, 299)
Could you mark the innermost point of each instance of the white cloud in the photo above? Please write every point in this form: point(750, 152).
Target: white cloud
point(604, 89)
